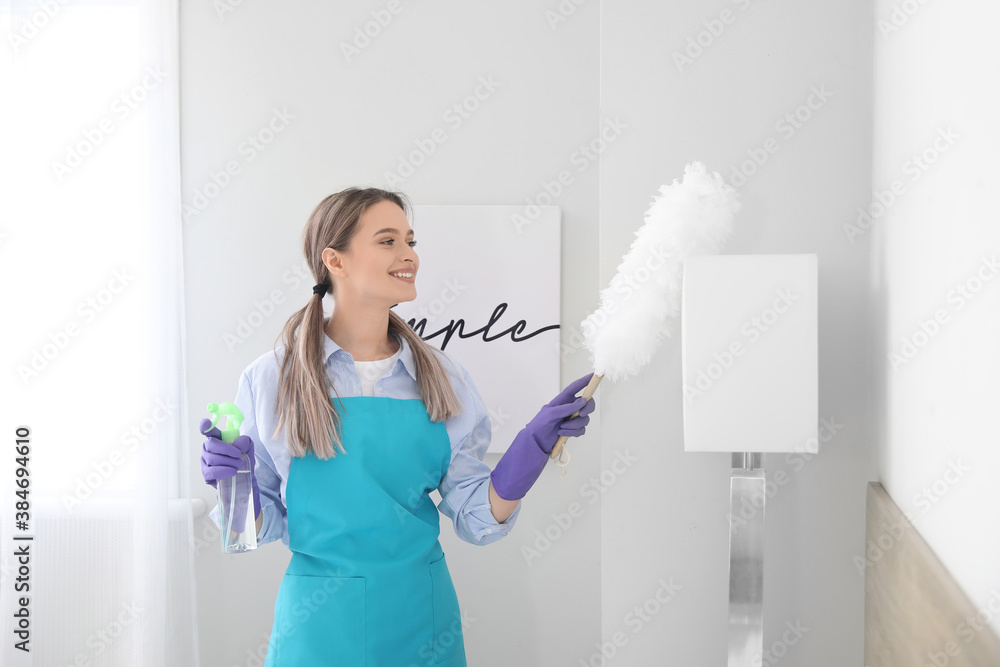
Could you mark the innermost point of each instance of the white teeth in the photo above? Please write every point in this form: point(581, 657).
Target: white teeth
point(402, 275)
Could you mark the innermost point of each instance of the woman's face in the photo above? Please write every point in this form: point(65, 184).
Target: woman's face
point(376, 254)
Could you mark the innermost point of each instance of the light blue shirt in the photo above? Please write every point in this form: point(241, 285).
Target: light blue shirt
point(465, 486)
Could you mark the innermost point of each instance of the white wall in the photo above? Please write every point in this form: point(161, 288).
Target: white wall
point(668, 516)
point(936, 111)
point(663, 516)
point(352, 121)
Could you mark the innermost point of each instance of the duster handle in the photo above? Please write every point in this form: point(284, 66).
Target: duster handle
point(588, 392)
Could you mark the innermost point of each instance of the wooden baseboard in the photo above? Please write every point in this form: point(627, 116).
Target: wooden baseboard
point(915, 612)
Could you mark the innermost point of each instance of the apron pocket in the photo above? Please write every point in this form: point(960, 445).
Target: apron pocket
point(447, 639)
point(320, 621)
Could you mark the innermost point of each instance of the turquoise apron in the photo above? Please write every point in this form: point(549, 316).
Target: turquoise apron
point(367, 584)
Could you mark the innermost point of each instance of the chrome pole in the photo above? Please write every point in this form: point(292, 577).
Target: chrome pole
point(746, 559)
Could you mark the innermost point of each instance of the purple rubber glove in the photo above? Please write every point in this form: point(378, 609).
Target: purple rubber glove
point(524, 460)
point(220, 460)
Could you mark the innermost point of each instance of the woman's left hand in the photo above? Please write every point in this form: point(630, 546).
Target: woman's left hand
point(527, 455)
point(574, 427)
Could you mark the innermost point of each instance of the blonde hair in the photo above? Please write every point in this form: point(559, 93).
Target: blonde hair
point(304, 386)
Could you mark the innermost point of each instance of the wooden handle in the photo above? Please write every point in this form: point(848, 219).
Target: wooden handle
point(588, 392)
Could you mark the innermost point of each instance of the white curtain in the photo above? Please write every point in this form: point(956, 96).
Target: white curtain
point(91, 281)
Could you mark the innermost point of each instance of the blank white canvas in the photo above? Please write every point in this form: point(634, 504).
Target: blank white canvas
point(483, 262)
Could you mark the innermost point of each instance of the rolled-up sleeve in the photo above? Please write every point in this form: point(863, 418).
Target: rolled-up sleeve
point(465, 486)
point(268, 481)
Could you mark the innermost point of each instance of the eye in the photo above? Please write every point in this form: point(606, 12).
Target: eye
point(410, 243)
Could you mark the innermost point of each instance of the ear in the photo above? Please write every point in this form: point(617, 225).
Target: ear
point(333, 261)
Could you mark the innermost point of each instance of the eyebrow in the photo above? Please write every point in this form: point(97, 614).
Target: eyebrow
point(392, 230)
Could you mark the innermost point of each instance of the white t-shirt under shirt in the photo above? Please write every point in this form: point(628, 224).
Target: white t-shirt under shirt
point(371, 371)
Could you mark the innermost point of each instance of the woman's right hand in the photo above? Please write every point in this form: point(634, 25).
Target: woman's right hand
point(220, 460)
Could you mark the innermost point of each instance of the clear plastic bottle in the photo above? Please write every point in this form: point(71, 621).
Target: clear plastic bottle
point(236, 511)
point(235, 502)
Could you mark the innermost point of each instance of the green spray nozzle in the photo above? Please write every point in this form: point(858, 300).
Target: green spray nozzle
point(233, 416)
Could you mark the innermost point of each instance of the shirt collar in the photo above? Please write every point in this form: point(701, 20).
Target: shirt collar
point(330, 348)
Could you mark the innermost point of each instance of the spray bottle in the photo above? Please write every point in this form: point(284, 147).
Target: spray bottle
point(236, 510)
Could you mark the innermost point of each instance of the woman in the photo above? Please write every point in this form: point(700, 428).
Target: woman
point(345, 483)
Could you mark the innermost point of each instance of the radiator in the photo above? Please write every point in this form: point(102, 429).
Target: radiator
point(93, 598)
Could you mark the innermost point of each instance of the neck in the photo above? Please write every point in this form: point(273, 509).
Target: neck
point(363, 341)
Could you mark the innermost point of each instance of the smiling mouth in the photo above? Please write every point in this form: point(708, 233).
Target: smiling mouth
point(407, 277)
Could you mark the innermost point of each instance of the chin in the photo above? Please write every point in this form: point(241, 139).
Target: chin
point(402, 301)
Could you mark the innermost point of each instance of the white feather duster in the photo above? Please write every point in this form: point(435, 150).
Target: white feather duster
point(694, 217)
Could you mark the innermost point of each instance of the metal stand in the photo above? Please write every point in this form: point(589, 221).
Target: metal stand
point(746, 560)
